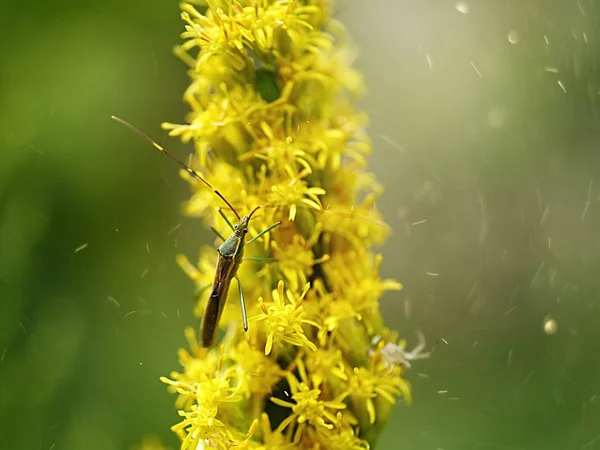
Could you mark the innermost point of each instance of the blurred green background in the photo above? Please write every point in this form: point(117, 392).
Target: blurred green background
point(485, 127)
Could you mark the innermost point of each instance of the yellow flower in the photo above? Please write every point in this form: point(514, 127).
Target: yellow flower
point(294, 192)
point(274, 439)
point(260, 372)
point(201, 275)
point(342, 437)
point(297, 259)
point(308, 407)
point(200, 423)
point(202, 201)
point(195, 364)
point(355, 277)
point(284, 319)
point(368, 383)
point(324, 364)
point(337, 311)
point(245, 442)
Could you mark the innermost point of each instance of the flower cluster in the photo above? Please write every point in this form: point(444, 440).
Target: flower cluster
point(273, 125)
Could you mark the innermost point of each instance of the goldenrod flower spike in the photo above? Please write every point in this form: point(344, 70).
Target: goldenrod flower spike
point(273, 123)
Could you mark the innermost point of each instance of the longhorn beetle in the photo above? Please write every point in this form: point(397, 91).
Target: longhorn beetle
point(230, 253)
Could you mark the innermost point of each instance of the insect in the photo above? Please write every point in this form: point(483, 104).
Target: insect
point(230, 253)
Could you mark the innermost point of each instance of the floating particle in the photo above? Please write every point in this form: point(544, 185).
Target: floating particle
point(533, 280)
point(165, 178)
point(174, 229)
point(562, 86)
point(128, 314)
point(432, 274)
point(81, 247)
point(113, 300)
point(514, 37)
point(462, 7)
point(477, 71)
point(550, 326)
point(393, 143)
point(588, 201)
point(429, 60)
point(574, 35)
point(544, 216)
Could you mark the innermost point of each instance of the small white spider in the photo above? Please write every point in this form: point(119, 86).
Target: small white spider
point(395, 354)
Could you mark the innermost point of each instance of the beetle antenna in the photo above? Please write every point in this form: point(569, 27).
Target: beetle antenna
point(253, 211)
point(187, 168)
